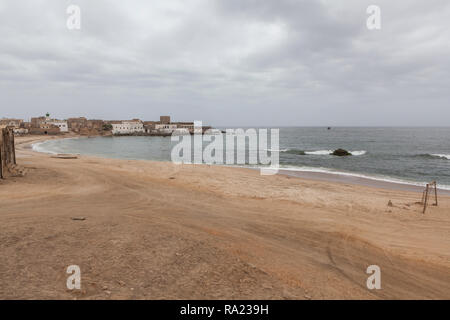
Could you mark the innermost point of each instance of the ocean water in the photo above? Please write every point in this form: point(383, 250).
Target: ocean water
point(409, 155)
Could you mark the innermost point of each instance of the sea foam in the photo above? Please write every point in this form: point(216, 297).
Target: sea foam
point(322, 152)
point(39, 147)
point(442, 156)
point(360, 175)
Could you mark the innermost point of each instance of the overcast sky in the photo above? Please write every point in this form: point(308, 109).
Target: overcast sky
point(228, 62)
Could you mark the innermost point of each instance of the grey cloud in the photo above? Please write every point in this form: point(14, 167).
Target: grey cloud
point(229, 62)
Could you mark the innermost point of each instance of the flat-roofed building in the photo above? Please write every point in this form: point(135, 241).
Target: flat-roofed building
point(127, 127)
point(165, 128)
point(76, 124)
point(37, 121)
point(61, 124)
point(164, 119)
point(149, 126)
point(19, 131)
point(184, 125)
point(15, 123)
point(95, 124)
point(48, 125)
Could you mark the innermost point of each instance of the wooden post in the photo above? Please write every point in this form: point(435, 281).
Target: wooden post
point(425, 195)
point(426, 199)
point(435, 193)
point(7, 150)
point(4, 148)
point(8, 141)
point(11, 145)
point(1, 153)
point(6, 145)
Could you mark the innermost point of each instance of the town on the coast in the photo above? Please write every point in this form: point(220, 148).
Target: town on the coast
point(46, 125)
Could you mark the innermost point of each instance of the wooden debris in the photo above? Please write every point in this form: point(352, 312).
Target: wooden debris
point(78, 218)
point(65, 156)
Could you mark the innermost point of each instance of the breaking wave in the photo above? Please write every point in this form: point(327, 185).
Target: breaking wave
point(319, 152)
point(274, 150)
point(358, 153)
point(359, 175)
point(296, 151)
point(432, 156)
point(39, 147)
point(315, 153)
point(442, 156)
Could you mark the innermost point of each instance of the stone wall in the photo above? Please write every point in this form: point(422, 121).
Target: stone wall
point(50, 131)
point(7, 151)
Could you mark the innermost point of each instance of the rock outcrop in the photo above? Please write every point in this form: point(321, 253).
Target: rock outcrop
point(341, 153)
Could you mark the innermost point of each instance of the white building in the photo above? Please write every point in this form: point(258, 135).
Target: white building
point(61, 124)
point(166, 128)
point(20, 131)
point(127, 127)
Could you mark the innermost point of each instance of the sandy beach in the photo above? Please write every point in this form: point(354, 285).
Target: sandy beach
point(155, 230)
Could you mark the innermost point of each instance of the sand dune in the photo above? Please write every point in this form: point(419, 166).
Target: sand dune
point(155, 230)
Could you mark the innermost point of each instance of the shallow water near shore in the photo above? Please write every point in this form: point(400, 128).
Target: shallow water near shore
point(412, 156)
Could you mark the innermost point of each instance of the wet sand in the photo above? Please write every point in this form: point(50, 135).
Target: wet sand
point(155, 230)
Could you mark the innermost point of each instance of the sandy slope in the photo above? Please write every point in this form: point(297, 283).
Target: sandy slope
point(156, 230)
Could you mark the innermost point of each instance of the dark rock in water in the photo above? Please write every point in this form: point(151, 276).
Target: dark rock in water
point(341, 153)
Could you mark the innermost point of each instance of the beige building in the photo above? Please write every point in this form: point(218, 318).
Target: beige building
point(15, 123)
point(164, 119)
point(165, 128)
point(61, 124)
point(185, 125)
point(47, 123)
point(127, 127)
point(76, 124)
